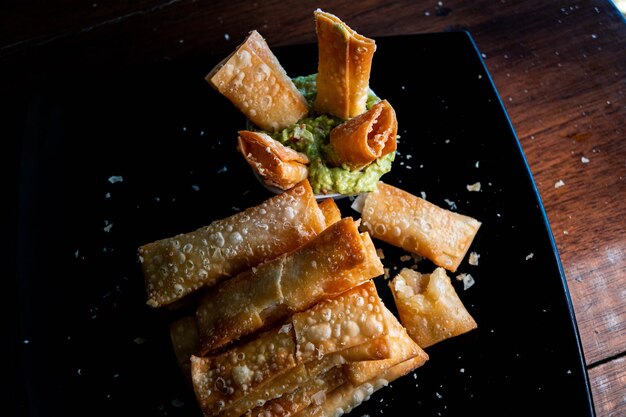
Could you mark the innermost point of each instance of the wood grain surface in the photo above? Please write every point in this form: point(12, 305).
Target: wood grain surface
point(560, 68)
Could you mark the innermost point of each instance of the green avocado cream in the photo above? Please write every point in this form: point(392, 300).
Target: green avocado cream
point(311, 136)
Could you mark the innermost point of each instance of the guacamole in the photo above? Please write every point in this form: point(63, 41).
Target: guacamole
point(311, 137)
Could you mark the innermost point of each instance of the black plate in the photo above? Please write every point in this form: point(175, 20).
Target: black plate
point(90, 346)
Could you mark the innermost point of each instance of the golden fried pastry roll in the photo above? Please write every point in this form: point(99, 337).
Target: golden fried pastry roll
point(429, 307)
point(337, 259)
point(402, 348)
point(177, 266)
point(365, 138)
point(420, 227)
point(185, 341)
point(254, 81)
point(346, 397)
point(330, 210)
point(268, 366)
point(343, 73)
point(279, 165)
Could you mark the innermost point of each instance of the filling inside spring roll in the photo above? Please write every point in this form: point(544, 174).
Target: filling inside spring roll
point(345, 61)
point(278, 165)
point(429, 307)
point(365, 138)
point(254, 81)
point(337, 259)
point(404, 220)
point(177, 266)
point(266, 366)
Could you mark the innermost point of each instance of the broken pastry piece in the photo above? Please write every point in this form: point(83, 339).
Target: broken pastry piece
point(271, 364)
point(254, 81)
point(337, 259)
point(365, 138)
point(345, 61)
point(404, 220)
point(278, 165)
point(429, 307)
point(177, 266)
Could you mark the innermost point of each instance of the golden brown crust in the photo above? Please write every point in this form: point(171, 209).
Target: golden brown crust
point(337, 259)
point(254, 81)
point(177, 266)
point(345, 61)
point(429, 307)
point(402, 219)
point(278, 165)
point(365, 138)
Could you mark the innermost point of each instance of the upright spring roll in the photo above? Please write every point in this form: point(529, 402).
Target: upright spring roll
point(177, 266)
point(265, 366)
point(254, 81)
point(337, 259)
point(279, 165)
point(420, 227)
point(365, 138)
point(345, 61)
point(429, 307)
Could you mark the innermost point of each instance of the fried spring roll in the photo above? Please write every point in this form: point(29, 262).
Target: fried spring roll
point(365, 138)
point(345, 61)
point(265, 367)
point(429, 307)
point(177, 266)
point(279, 165)
point(254, 81)
point(337, 259)
point(420, 227)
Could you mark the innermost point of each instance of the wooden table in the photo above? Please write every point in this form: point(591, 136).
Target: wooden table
point(560, 67)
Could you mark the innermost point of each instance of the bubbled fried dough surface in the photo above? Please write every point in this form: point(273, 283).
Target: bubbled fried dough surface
point(336, 260)
point(407, 221)
point(254, 81)
point(177, 266)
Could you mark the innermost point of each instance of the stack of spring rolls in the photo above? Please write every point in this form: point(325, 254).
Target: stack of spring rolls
point(285, 317)
point(289, 321)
